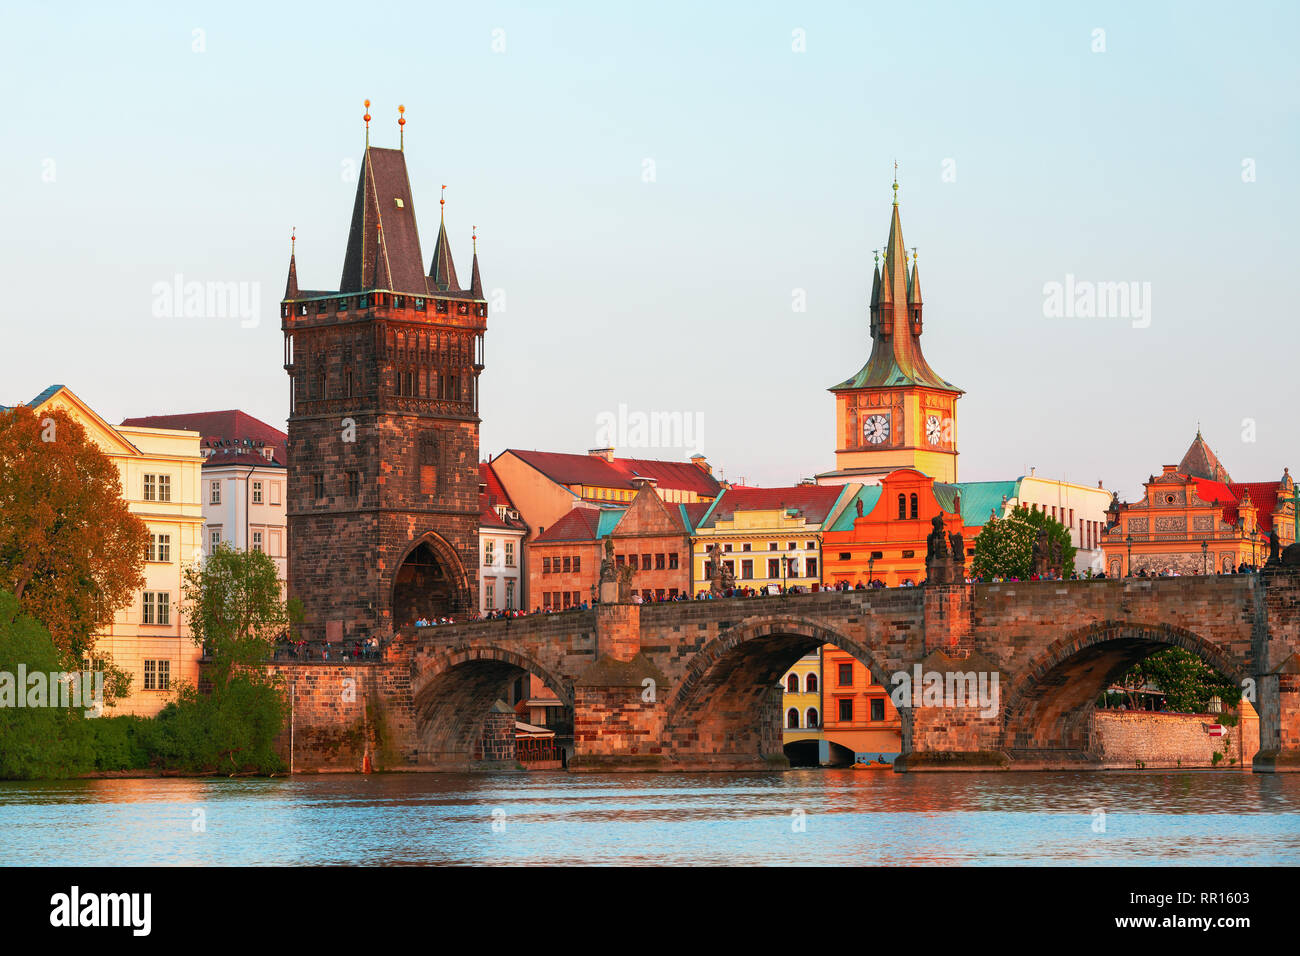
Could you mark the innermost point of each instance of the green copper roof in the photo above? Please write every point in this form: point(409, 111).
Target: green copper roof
point(978, 498)
point(868, 495)
point(608, 519)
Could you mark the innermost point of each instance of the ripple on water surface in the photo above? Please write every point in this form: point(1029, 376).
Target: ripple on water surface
point(809, 816)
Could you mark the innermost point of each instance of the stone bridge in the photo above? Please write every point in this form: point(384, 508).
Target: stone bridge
point(696, 685)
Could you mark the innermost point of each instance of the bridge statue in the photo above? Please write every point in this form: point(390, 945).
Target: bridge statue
point(1274, 549)
point(958, 551)
point(720, 579)
point(938, 558)
point(1042, 552)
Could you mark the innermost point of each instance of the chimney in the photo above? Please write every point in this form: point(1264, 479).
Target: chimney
point(702, 463)
point(1032, 469)
point(605, 453)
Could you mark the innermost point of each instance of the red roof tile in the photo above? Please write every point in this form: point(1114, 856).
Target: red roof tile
point(579, 524)
point(494, 496)
point(569, 469)
point(226, 433)
point(813, 501)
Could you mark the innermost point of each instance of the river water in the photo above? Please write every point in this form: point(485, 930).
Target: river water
point(814, 816)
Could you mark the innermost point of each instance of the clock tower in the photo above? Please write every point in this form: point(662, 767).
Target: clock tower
point(896, 412)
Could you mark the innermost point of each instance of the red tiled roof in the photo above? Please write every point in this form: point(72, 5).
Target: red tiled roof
point(813, 501)
point(579, 524)
point(493, 496)
point(226, 433)
point(1263, 494)
point(695, 512)
point(569, 469)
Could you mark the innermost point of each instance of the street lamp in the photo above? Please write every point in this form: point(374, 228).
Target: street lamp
point(1129, 541)
point(871, 564)
point(1205, 551)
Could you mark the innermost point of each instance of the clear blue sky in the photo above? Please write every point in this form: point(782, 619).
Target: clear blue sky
point(772, 173)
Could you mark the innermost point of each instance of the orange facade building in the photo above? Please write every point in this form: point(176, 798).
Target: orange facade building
point(859, 721)
point(1194, 519)
point(650, 536)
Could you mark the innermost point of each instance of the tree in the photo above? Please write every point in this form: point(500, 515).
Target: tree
point(1187, 682)
point(71, 552)
point(1005, 546)
point(234, 609)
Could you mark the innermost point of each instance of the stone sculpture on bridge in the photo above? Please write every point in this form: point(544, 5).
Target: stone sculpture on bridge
point(938, 554)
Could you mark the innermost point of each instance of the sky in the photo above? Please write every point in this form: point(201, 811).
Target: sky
point(677, 207)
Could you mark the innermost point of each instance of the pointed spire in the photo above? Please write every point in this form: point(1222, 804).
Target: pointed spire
point(475, 282)
point(291, 287)
point(442, 270)
point(914, 284)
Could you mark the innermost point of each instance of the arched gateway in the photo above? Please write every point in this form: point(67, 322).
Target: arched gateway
point(429, 583)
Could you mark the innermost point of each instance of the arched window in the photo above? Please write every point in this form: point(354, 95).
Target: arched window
point(791, 719)
point(813, 718)
point(902, 506)
point(810, 683)
point(792, 684)
point(914, 504)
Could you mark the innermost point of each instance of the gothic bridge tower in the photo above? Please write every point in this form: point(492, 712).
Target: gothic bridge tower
point(896, 412)
point(383, 502)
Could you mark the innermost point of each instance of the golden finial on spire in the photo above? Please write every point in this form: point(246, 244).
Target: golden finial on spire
point(474, 238)
point(293, 237)
point(876, 254)
point(914, 255)
point(442, 203)
point(401, 124)
point(895, 182)
point(367, 119)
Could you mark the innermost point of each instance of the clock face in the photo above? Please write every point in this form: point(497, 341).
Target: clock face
point(933, 430)
point(875, 429)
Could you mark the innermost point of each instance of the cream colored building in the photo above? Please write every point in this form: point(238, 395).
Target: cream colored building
point(1081, 508)
point(160, 470)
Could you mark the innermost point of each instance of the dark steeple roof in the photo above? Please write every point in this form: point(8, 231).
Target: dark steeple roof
point(442, 270)
point(1201, 462)
point(381, 273)
point(291, 286)
point(896, 357)
point(384, 189)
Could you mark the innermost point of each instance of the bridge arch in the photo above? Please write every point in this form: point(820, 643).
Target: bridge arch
point(453, 691)
point(728, 705)
point(1051, 703)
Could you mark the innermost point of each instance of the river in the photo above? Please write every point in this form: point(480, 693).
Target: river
point(798, 817)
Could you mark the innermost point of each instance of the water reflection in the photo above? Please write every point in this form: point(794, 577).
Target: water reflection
point(1225, 818)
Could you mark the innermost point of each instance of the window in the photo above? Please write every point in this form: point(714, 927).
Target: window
point(489, 552)
point(810, 545)
point(150, 487)
point(257, 493)
point(510, 554)
point(645, 562)
point(214, 495)
point(164, 488)
point(275, 491)
point(157, 675)
point(747, 569)
point(354, 484)
point(877, 555)
point(771, 546)
point(846, 708)
point(791, 545)
point(257, 541)
point(902, 506)
point(661, 562)
point(510, 595)
point(490, 595)
point(160, 547)
point(214, 539)
point(792, 718)
point(546, 565)
point(318, 485)
point(877, 708)
point(810, 683)
point(811, 565)
point(909, 554)
point(846, 555)
point(792, 684)
point(156, 608)
point(631, 560)
point(846, 674)
point(672, 561)
point(577, 563)
point(568, 564)
point(814, 718)
point(914, 506)
point(773, 567)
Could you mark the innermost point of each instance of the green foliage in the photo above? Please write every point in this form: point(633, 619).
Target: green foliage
point(1005, 546)
point(1187, 682)
point(228, 731)
point(234, 610)
point(35, 741)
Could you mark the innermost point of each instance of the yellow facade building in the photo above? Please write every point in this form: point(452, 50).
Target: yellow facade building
point(801, 712)
point(161, 473)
